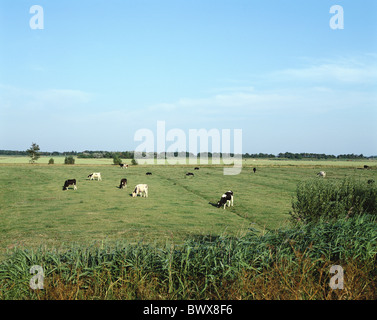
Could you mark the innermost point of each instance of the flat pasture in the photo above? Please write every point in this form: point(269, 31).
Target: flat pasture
point(35, 211)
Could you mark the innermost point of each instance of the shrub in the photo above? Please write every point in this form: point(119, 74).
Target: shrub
point(117, 160)
point(134, 162)
point(329, 199)
point(69, 160)
point(51, 161)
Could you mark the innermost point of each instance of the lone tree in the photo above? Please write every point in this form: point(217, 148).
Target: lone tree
point(33, 152)
point(116, 159)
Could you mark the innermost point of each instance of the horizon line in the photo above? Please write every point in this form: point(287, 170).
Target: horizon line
point(187, 152)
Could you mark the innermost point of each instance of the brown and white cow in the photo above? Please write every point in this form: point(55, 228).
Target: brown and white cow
point(123, 183)
point(95, 175)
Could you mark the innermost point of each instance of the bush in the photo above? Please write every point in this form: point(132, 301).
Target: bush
point(134, 162)
point(69, 160)
point(51, 161)
point(117, 160)
point(320, 199)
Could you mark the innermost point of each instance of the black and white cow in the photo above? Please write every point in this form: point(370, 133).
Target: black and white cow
point(70, 182)
point(321, 174)
point(196, 168)
point(149, 173)
point(122, 165)
point(226, 199)
point(189, 174)
point(123, 183)
point(254, 169)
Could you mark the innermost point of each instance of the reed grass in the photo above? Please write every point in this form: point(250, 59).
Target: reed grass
point(288, 263)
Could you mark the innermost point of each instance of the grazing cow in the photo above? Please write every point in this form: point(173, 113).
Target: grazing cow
point(95, 175)
point(370, 181)
point(226, 199)
point(70, 182)
point(189, 174)
point(366, 167)
point(321, 174)
point(140, 189)
point(196, 168)
point(123, 183)
point(149, 173)
point(254, 169)
point(122, 165)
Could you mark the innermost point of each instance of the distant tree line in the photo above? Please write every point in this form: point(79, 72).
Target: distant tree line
point(131, 155)
point(42, 153)
point(105, 154)
point(304, 155)
point(258, 155)
point(299, 156)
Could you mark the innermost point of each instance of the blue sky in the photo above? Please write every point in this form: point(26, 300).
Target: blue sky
point(101, 70)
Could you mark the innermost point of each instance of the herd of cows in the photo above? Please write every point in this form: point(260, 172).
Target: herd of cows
point(226, 199)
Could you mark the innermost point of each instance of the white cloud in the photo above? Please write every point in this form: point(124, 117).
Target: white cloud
point(239, 105)
point(318, 87)
point(343, 70)
point(14, 99)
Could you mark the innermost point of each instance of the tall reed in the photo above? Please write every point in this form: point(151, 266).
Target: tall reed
point(289, 263)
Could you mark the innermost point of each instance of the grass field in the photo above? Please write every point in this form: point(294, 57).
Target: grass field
point(98, 242)
point(245, 162)
point(34, 210)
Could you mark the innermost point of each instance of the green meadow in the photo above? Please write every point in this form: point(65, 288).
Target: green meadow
point(35, 211)
point(98, 242)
